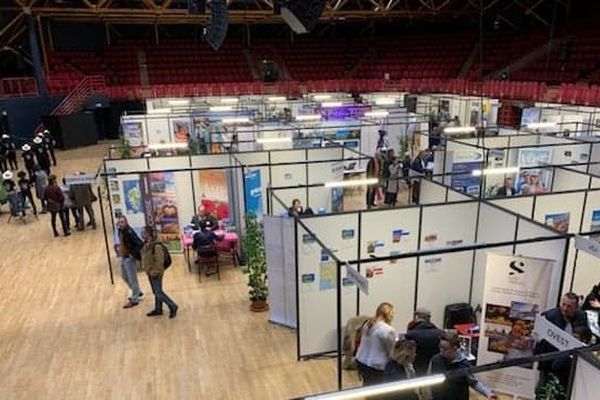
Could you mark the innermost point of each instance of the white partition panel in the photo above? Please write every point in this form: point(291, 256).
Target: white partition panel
point(495, 225)
point(448, 225)
point(586, 272)
point(288, 175)
point(286, 156)
point(183, 184)
point(158, 130)
point(126, 165)
point(595, 157)
point(325, 153)
point(253, 158)
point(592, 206)
point(393, 283)
point(569, 180)
point(479, 271)
point(586, 384)
point(524, 140)
point(559, 209)
point(287, 196)
point(443, 279)
point(316, 280)
point(212, 161)
point(431, 192)
point(388, 232)
point(595, 182)
point(520, 205)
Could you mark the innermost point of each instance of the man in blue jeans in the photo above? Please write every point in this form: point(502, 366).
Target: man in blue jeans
point(130, 251)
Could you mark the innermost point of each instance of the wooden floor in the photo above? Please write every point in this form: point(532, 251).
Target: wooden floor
point(64, 335)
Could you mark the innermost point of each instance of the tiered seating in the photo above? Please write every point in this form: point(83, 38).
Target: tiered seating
point(181, 61)
point(414, 57)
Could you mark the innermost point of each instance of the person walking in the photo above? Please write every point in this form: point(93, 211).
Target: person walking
point(83, 196)
point(10, 149)
point(56, 205)
point(451, 359)
point(154, 262)
point(376, 341)
point(41, 182)
point(28, 159)
point(426, 335)
point(69, 205)
point(50, 144)
point(25, 188)
point(393, 182)
point(41, 154)
point(130, 247)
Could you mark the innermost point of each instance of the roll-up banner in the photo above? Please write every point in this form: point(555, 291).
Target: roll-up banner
point(515, 293)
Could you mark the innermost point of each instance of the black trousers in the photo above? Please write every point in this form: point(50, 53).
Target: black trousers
point(63, 221)
point(28, 196)
point(12, 160)
point(370, 376)
point(3, 164)
point(52, 156)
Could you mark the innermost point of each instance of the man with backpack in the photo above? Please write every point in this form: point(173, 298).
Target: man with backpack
point(130, 247)
point(155, 260)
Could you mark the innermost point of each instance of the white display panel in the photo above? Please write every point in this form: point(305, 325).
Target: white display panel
point(454, 196)
point(325, 153)
point(393, 283)
point(158, 130)
point(592, 204)
point(389, 231)
point(316, 279)
point(479, 271)
point(288, 175)
point(287, 156)
point(126, 165)
point(448, 225)
point(520, 205)
point(452, 272)
point(558, 209)
point(565, 180)
point(586, 384)
point(431, 193)
point(524, 140)
point(253, 158)
point(495, 225)
point(212, 161)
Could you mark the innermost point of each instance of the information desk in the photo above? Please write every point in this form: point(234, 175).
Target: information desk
point(229, 244)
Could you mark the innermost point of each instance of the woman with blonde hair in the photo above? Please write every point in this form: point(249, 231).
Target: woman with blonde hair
point(401, 367)
point(376, 342)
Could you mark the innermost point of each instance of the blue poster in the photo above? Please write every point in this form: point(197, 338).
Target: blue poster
point(253, 189)
point(463, 179)
point(337, 199)
point(133, 197)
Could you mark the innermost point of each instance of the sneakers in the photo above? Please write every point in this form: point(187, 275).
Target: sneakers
point(154, 313)
point(130, 305)
point(139, 297)
point(173, 312)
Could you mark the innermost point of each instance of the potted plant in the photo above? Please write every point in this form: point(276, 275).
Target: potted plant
point(256, 264)
point(124, 148)
point(552, 389)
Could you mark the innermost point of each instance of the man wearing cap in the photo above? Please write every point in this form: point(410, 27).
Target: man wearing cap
point(29, 160)
point(10, 150)
point(427, 337)
point(39, 149)
point(50, 144)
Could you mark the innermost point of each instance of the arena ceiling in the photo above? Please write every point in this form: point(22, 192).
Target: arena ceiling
point(262, 11)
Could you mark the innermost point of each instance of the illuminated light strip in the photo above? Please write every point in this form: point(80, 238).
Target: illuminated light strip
point(320, 97)
point(159, 111)
point(496, 171)
point(367, 391)
point(274, 140)
point(230, 100)
point(277, 98)
point(385, 101)
point(162, 146)
point(538, 125)
point(331, 104)
point(220, 108)
point(236, 120)
point(308, 117)
point(460, 129)
point(357, 182)
point(377, 114)
point(181, 102)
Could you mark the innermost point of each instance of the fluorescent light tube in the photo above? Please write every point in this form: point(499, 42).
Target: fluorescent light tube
point(230, 100)
point(159, 111)
point(496, 171)
point(236, 120)
point(220, 108)
point(274, 140)
point(375, 390)
point(162, 146)
point(539, 125)
point(180, 102)
point(330, 104)
point(352, 182)
point(308, 117)
point(385, 101)
point(377, 114)
point(277, 98)
point(459, 129)
point(320, 97)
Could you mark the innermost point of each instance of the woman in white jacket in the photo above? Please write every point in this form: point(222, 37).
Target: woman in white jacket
point(376, 342)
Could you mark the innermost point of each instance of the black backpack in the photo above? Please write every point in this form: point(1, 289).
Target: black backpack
point(168, 261)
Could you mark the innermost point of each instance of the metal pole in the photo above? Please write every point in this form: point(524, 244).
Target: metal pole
point(339, 323)
point(110, 271)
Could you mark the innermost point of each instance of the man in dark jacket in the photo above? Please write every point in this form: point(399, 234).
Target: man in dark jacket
point(451, 360)
point(427, 336)
point(55, 203)
point(83, 196)
point(568, 317)
point(130, 247)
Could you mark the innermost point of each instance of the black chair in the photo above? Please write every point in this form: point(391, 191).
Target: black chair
point(208, 257)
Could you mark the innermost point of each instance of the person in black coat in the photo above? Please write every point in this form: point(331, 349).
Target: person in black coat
point(41, 154)
point(508, 189)
point(25, 187)
point(426, 336)
point(568, 317)
point(8, 147)
point(50, 143)
point(29, 160)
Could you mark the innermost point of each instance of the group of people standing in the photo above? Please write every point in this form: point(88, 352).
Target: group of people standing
point(155, 260)
point(383, 356)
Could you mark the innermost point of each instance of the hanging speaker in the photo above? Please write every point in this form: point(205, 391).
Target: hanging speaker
point(302, 15)
point(216, 31)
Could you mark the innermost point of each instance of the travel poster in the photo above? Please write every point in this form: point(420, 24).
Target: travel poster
point(253, 189)
point(214, 192)
point(132, 132)
point(595, 221)
point(327, 275)
point(181, 130)
point(163, 195)
point(133, 197)
point(558, 221)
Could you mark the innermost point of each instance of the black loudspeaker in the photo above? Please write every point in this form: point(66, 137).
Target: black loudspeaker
point(74, 130)
point(457, 313)
point(302, 15)
point(216, 31)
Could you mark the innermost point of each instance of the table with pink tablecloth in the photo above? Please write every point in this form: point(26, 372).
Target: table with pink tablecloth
point(229, 244)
